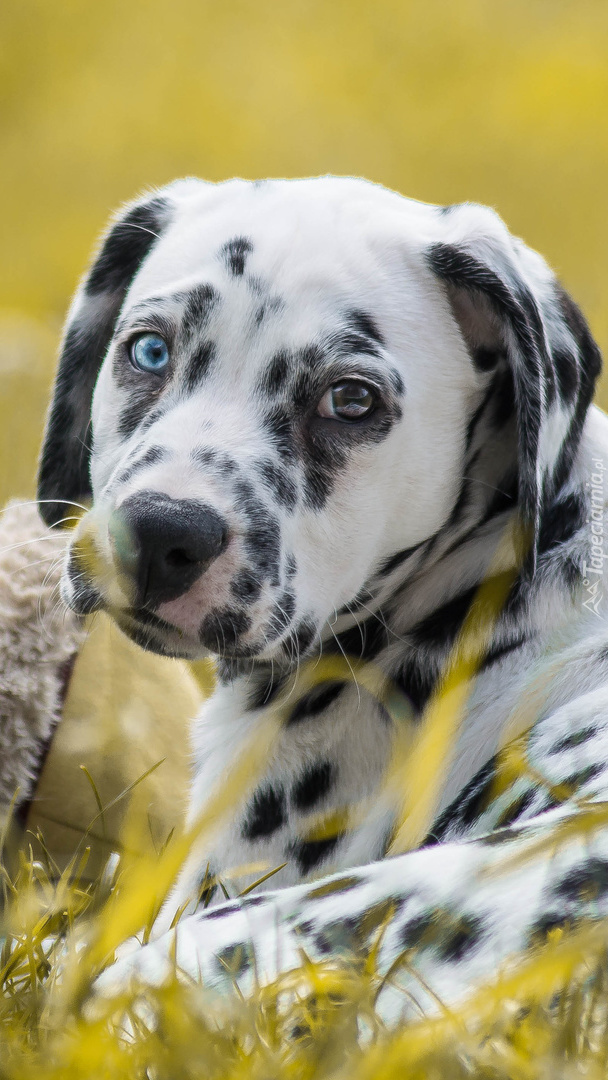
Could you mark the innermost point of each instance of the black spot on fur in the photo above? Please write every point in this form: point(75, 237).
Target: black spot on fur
point(313, 785)
point(590, 363)
point(567, 373)
point(235, 253)
point(397, 559)
point(461, 939)
point(200, 302)
point(315, 701)
point(126, 246)
point(497, 652)
point(304, 635)
point(578, 779)
point(265, 814)
point(282, 614)
point(275, 376)
point(560, 522)
point(309, 853)
point(235, 960)
point(246, 587)
point(442, 625)
point(363, 641)
point(263, 544)
point(540, 930)
point(152, 456)
point(198, 365)
point(204, 455)
point(587, 882)
point(467, 807)
point(266, 691)
point(278, 424)
point(419, 931)
point(462, 501)
point(223, 628)
point(221, 910)
point(280, 483)
point(577, 738)
point(362, 323)
point(417, 681)
point(516, 810)
point(132, 415)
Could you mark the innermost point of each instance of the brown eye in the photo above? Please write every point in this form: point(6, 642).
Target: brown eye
point(347, 401)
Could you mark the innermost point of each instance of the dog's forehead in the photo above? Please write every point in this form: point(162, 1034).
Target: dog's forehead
point(324, 239)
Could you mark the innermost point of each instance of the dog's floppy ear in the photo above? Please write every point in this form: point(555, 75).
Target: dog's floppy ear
point(508, 302)
point(63, 475)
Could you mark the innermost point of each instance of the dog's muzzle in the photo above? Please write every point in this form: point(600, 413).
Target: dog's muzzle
point(162, 545)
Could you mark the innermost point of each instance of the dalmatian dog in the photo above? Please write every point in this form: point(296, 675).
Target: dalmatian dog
point(311, 418)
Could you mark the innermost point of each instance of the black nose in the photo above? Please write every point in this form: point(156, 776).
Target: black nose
point(163, 545)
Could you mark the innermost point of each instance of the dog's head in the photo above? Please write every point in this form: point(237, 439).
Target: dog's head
point(271, 391)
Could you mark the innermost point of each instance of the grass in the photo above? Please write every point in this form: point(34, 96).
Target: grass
point(545, 1015)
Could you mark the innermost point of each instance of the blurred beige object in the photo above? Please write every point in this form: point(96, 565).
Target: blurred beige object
point(78, 699)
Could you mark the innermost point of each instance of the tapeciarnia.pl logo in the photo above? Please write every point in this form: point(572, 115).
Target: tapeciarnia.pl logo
point(593, 570)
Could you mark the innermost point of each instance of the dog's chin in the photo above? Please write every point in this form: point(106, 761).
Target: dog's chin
point(157, 636)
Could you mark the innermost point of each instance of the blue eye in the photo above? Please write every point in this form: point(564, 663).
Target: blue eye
point(150, 353)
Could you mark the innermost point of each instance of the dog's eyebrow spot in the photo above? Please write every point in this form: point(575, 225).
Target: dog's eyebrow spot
point(198, 365)
point(362, 323)
point(274, 377)
point(313, 784)
point(199, 303)
point(155, 313)
point(359, 335)
point(234, 253)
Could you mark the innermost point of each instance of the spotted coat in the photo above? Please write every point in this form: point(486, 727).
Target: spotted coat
point(358, 409)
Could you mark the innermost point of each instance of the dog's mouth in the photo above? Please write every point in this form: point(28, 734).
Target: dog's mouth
point(228, 608)
point(155, 635)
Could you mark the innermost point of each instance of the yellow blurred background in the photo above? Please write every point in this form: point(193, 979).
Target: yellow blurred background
point(501, 102)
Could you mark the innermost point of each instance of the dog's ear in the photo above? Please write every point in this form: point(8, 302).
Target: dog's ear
point(508, 303)
point(63, 474)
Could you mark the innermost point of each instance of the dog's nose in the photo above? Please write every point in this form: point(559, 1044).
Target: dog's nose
point(163, 545)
